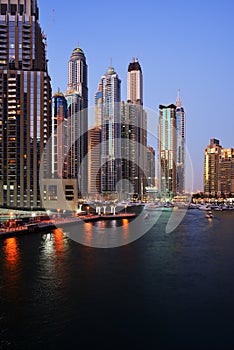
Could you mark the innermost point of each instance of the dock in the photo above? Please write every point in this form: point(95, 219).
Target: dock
point(47, 226)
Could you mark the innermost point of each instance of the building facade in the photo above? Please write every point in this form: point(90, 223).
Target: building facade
point(98, 106)
point(25, 103)
point(167, 150)
point(59, 136)
point(77, 99)
point(211, 166)
point(150, 174)
point(180, 163)
point(59, 190)
point(110, 133)
point(226, 171)
point(94, 173)
point(135, 83)
point(134, 132)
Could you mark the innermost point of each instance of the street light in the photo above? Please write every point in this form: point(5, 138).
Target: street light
point(88, 210)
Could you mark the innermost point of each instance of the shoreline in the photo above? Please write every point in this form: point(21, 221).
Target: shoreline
point(46, 227)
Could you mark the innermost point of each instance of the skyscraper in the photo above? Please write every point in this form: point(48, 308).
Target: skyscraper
point(110, 132)
point(94, 174)
point(167, 149)
point(59, 136)
point(77, 97)
point(134, 125)
point(180, 163)
point(135, 83)
point(150, 175)
point(211, 166)
point(78, 75)
point(226, 171)
point(25, 103)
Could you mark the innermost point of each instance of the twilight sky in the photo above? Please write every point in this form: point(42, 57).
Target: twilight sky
point(180, 44)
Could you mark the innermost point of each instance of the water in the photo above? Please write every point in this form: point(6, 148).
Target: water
point(164, 291)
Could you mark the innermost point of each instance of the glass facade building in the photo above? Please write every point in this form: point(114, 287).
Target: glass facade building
point(77, 99)
point(180, 163)
point(59, 136)
point(167, 150)
point(25, 103)
point(134, 133)
point(110, 132)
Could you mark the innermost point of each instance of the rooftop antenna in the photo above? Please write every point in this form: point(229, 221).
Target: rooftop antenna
point(178, 100)
point(111, 62)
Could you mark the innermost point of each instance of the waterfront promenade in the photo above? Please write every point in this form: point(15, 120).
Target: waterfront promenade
point(48, 225)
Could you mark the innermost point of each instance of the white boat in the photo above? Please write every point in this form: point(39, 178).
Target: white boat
point(152, 206)
point(209, 215)
point(204, 207)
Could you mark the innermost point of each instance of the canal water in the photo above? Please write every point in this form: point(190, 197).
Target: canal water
point(163, 291)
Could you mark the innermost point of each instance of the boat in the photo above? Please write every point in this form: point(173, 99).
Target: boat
point(152, 206)
point(209, 215)
point(204, 207)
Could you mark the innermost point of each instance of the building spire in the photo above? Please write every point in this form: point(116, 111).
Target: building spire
point(178, 100)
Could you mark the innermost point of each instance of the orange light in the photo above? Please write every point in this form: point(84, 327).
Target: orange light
point(11, 252)
point(58, 240)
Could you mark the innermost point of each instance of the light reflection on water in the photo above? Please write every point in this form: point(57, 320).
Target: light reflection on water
point(11, 251)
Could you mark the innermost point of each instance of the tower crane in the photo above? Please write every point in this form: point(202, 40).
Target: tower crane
point(45, 33)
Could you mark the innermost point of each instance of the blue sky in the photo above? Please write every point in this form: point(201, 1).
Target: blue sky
point(180, 44)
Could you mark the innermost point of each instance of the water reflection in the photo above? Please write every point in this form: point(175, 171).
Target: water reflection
point(88, 231)
point(12, 273)
point(125, 226)
point(102, 234)
point(11, 251)
point(59, 241)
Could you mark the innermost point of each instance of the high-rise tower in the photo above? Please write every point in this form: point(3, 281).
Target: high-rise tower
point(211, 166)
point(135, 83)
point(94, 148)
point(110, 132)
point(134, 122)
point(226, 171)
point(180, 128)
point(167, 150)
point(150, 166)
point(25, 103)
point(77, 97)
point(59, 136)
point(78, 75)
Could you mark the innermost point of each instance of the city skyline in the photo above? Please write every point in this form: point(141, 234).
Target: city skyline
point(201, 66)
